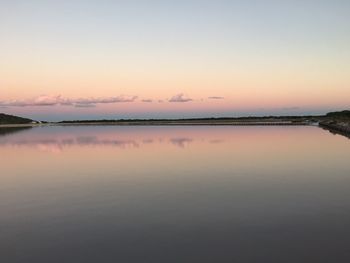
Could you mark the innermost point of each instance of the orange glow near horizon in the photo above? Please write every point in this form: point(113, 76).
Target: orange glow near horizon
point(257, 61)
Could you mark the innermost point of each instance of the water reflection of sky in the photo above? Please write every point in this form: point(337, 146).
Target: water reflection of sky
point(131, 190)
point(55, 139)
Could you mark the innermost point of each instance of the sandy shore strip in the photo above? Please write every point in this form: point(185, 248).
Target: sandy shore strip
point(20, 125)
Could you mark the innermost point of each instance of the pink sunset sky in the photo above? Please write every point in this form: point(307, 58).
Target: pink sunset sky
point(103, 59)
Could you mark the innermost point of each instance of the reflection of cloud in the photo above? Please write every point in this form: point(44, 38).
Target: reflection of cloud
point(50, 148)
point(86, 140)
point(216, 98)
point(181, 142)
point(45, 100)
point(216, 141)
point(67, 141)
point(92, 140)
point(179, 98)
point(58, 144)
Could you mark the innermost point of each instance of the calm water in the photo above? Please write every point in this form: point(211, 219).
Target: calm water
point(174, 194)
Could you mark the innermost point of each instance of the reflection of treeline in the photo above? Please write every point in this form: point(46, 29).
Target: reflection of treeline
point(337, 127)
point(9, 119)
point(337, 122)
point(9, 130)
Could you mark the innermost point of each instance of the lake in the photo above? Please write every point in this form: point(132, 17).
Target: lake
point(174, 194)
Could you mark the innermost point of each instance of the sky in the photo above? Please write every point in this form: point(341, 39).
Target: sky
point(173, 59)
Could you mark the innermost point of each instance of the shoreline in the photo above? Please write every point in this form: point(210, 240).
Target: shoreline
point(17, 125)
point(342, 128)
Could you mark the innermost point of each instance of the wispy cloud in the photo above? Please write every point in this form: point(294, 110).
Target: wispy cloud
point(118, 99)
point(216, 98)
point(89, 102)
point(38, 101)
point(180, 98)
point(46, 100)
point(85, 105)
point(147, 100)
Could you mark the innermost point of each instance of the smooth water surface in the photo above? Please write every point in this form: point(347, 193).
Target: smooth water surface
point(174, 194)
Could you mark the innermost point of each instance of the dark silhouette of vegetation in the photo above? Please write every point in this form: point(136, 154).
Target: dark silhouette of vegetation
point(339, 114)
point(9, 119)
point(194, 120)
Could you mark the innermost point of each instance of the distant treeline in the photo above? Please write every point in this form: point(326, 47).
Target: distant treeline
point(250, 118)
point(9, 119)
point(339, 114)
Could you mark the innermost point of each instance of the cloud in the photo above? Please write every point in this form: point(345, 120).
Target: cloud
point(147, 100)
point(216, 141)
point(85, 105)
point(46, 100)
point(216, 98)
point(179, 98)
point(89, 101)
point(38, 101)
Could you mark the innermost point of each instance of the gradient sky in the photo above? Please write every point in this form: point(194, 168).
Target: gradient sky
point(126, 59)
